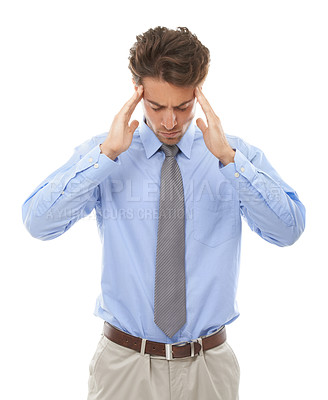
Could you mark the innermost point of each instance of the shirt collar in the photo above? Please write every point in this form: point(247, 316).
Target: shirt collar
point(151, 143)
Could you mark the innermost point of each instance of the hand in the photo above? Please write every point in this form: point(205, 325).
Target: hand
point(213, 134)
point(121, 133)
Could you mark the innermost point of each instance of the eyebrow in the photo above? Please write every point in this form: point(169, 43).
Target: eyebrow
point(159, 105)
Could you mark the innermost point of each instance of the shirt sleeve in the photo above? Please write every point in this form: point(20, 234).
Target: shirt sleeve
point(69, 193)
point(270, 206)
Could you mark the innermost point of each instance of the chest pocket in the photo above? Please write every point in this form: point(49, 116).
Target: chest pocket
point(215, 220)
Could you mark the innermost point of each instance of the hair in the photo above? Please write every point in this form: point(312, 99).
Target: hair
point(175, 56)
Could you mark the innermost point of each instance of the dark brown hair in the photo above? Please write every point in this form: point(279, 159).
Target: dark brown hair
point(175, 56)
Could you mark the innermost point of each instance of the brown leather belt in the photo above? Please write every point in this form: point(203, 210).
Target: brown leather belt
point(169, 351)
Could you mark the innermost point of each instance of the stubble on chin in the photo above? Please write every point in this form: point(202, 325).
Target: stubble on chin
point(169, 141)
point(165, 140)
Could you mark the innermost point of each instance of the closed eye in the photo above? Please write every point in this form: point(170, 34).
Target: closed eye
point(179, 109)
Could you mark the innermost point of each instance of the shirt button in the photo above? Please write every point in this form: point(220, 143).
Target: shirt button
point(242, 169)
point(90, 159)
point(236, 174)
point(96, 165)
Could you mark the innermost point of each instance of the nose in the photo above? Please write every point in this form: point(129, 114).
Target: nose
point(169, 120)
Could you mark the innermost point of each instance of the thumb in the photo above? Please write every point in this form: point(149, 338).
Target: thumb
point(133, 126)
point(201, 125)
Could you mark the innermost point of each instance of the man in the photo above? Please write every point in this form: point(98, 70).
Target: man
point(168, 196)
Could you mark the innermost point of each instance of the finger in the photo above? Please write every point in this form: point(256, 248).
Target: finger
point(131, 104)
point(201, 125)
point(133, 126)
point(206, 107)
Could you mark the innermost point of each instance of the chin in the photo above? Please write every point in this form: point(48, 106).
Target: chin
point(170, 141)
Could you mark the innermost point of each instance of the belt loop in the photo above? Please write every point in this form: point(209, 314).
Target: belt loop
point(143, 346)
point(200, 341)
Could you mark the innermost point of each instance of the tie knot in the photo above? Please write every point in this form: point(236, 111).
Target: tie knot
point(170, 150)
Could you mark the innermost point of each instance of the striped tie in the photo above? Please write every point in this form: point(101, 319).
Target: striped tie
point(170, 283)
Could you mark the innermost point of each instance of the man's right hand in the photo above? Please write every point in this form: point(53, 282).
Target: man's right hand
point(121, 133)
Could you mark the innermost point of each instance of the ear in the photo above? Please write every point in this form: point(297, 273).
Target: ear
point(135, 85)
point(201, 88)
point(202, 83)
point(196, 100)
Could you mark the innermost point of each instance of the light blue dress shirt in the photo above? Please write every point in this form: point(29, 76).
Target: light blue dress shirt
point(125, 195)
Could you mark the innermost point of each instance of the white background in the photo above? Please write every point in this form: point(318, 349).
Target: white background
point(63, 77)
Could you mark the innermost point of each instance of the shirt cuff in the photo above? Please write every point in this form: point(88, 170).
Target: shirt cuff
point(240, 170)
point(97, 166)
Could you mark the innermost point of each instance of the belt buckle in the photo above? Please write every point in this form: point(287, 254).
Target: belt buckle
point(168, 351)
point(192, 347)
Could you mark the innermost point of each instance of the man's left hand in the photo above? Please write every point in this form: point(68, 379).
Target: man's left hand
point(213, 134)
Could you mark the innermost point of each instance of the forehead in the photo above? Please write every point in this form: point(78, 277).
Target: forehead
point(166, 94)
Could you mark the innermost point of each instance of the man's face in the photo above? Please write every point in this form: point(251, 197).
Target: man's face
point(168, 109)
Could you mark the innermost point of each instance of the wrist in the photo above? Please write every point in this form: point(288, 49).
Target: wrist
point(228, 157)
point(108, 152)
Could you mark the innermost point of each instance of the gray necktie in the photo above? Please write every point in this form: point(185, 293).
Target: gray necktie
point(170, 283)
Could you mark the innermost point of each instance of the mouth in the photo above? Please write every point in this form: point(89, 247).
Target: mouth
point(170, 134)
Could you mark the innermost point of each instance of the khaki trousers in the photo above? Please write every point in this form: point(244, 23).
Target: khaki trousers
point(119, 373)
